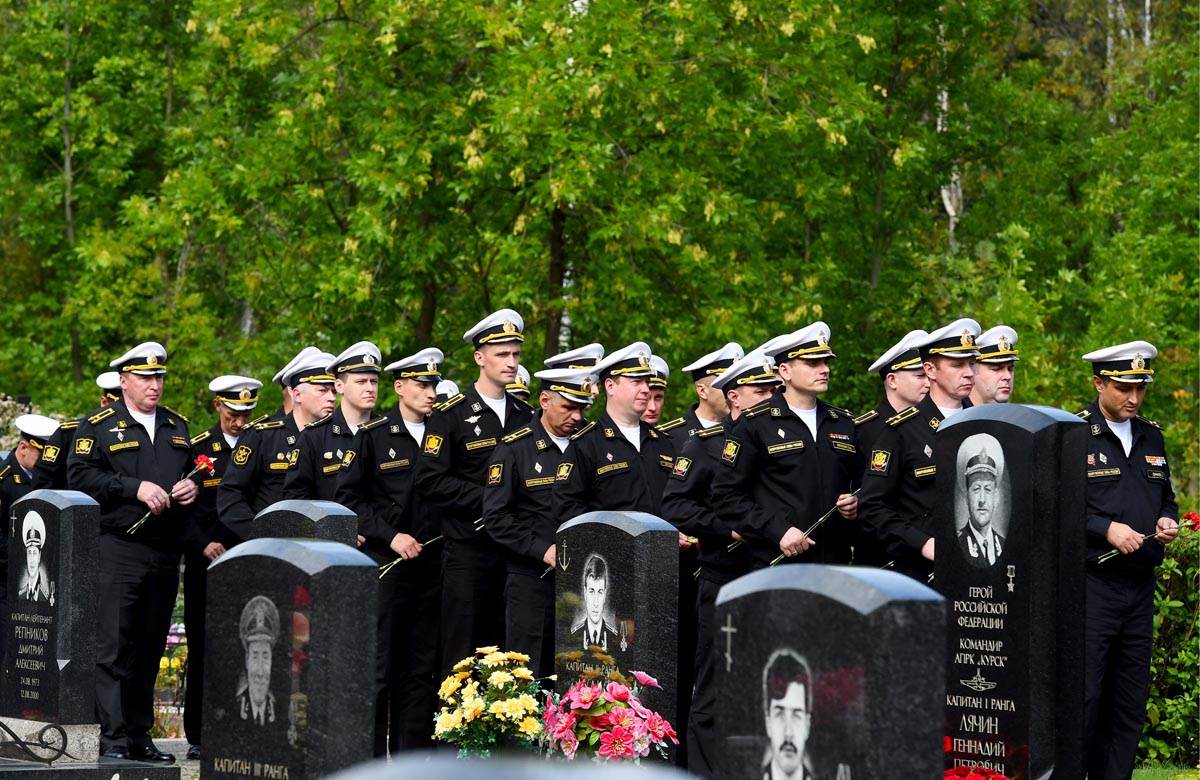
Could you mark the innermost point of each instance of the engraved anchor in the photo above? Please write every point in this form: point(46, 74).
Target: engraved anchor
point(565, 562)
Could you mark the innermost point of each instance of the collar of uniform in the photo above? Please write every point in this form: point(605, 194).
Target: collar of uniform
point(160, 416)
point(606, 423)
point(338, 423)
point(1097, 418)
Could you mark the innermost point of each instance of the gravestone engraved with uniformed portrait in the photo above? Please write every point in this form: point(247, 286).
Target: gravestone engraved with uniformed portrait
point(290, 658)
point(616, 585)
point(1009, 560)
point(50, 658)
point(828, 672)
point(301, 519)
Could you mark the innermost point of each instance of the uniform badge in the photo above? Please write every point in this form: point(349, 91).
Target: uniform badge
point(339, 454)
point(83, 445)
point(348, 458)
point(495, 473)
point(1103, 458)
point(537, 467)
point(391, 453)
point(564, 471)
point(433, 444)
point(241, 456)
point(1153, 460)
point(780, 432)
point(217, 446)
point(1095, 430)
point(730, 451)
point(880, 459)
point(291, 440)
point(681, 467)
point(1091, 459)
point(328, 456)
point(293, 456)
point(473, 419)
point(478, 430)
point(609, 455)
point(934, 423)
point(120, 435)
point(476, 408)
point(394, 429)
point(928, 451)
point(50, 454)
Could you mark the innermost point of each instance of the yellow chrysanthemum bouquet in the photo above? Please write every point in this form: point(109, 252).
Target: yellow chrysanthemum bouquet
point(491, 703)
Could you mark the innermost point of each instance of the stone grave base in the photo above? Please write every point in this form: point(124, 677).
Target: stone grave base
point(104, 769)
point(83, 740)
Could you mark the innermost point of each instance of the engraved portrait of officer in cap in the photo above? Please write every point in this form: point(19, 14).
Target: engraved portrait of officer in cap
point(34, 583)
point(258, 629)
point(982, 500)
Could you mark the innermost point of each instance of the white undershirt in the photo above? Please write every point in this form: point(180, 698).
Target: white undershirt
point(634, 435)
point(416, 430)
point(1124, 431)
point(707, 423)
point(948, 412)
point(561, 443)
point(145, 420)
point(230, 440)
point(497, 405)
point(808, 417)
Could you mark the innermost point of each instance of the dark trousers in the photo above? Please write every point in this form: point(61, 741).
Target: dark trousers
point(685, 655)
point(473, 576)
point(195, 594)
point(529, 619)
point(701, 729)
point(1119, 638)
point(137, 593)
point(406, 660)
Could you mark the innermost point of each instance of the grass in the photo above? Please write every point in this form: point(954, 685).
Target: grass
point(1167, 773)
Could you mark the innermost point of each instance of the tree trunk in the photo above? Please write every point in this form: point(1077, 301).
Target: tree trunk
point(428, 313)
point(554, 283)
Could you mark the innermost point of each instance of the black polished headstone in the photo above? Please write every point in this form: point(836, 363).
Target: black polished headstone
point(625, 566)
point(1010, 551)
point(306, 520)
point(290, 660)
point(50, 657)
point(836, 669)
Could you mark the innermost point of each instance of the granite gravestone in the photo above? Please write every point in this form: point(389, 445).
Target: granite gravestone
point(294, 519)
point(616, 591)
point(440, 766)
point(50, 655)
point(290, 660)
point(836, 670)
point(1010, 562)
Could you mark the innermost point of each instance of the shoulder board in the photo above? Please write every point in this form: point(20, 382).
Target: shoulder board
point(758, 408)
point(266, 426)
point(1083, 414)
point(900, 417)
point(583, 430)
point(258, 420)
point(201, 437)
point(510, 438)
point(866, 418)
point(840, 410)
point(450, 402)
point(713, 430)
point(4, 471)
point(670, 424)
point(169, 410)
point(67, 425)
point(320, 422)
point(104, 413)
point(375, 423)
point(1148, 421)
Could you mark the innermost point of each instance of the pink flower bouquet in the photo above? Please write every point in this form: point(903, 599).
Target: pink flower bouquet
point(606, 720)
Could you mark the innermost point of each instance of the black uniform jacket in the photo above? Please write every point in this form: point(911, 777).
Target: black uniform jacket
point(379, 484)
point(257, 470)
point(50, 473)
point(774, 475)
point(682, 428)
point(896, 503)
point(205, 527)
point(112, 455)
point(326, 445)
point(871, 424)
point(687, 504)
point(603, 470)
point(460, 437)
point(518, 510)
point(1134, 490)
